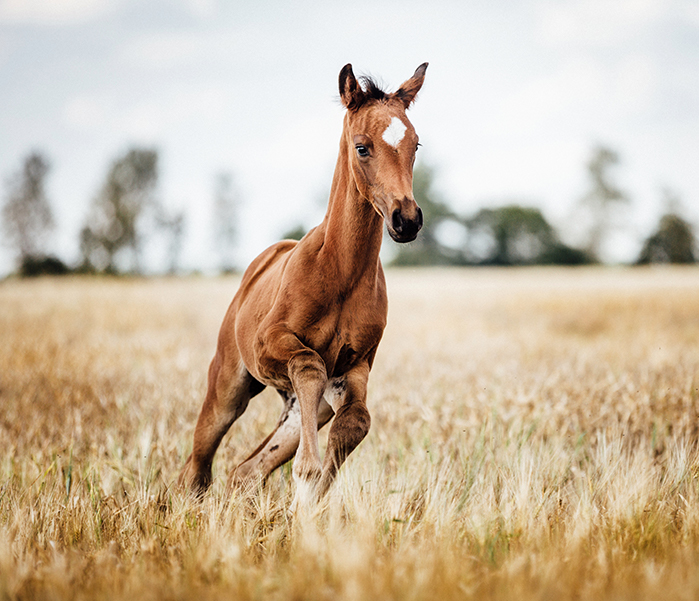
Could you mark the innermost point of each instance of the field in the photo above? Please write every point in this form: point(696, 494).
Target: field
point(534, 436)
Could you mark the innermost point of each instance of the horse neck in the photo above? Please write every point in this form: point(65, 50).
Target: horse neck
point(352, 228)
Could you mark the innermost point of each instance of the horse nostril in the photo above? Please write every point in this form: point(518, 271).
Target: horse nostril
point(398, 221)
point(419, 217)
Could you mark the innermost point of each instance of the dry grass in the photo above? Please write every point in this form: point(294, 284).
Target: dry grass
point(534, 436)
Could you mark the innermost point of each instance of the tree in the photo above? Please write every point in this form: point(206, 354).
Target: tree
point(174, 226)
point(516, 235)
point(116, 212)
point(673, 241)
point(599, 201)
point(46, 265)
point(510, 235)
point(27, 215)
point(226, 206)
point(295, 233)
point(427, 249)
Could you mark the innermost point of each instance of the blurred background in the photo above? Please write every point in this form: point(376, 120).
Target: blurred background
point(188, 135)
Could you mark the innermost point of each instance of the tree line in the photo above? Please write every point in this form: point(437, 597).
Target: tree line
point(520, 235)
point(126, 212)
point(123, 216)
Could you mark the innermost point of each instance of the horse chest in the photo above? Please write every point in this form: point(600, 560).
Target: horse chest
point(356, 335)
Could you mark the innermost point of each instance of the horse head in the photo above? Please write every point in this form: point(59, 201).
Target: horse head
point(381, 143)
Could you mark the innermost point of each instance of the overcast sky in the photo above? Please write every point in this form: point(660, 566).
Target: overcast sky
point(517, 95)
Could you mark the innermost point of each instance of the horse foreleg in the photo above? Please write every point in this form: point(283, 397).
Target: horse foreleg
point(308, 378)
point(230, 388)
point(350, 426)
point(278, 349)
point(280, 446)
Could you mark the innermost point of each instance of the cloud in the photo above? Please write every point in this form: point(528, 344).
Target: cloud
point(86, 112)
point(153, 118)
point(173, 49)
point(248, 48)
point(541, 103)
point(202, 9)
point(599, 22)
point(149, 119)
point(53, 12)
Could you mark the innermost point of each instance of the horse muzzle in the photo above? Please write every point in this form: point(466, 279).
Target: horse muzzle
point(404, 229)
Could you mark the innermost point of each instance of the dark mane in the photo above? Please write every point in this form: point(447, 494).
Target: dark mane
point(372, 91)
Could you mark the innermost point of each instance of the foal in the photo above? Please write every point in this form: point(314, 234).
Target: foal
point(309, 315)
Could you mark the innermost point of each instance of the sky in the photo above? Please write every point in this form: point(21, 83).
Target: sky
point(516, 97)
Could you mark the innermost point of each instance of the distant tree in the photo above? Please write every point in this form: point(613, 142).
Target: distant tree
point(427, 249)
point(295, 233)
point(46, 265)
point(599, 201)
point(26, 212)
point(510, 235)
point(174, 226)
point(113, 224)
point(225, 220)
point(318, 207)
point(516, 235)
point(562, 254)
point(674, 240)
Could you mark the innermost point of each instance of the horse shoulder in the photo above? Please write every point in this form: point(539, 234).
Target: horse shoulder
point(275, 291)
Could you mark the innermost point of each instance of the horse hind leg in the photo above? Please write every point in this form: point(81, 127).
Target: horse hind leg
point(281, 444)
point(230, 388)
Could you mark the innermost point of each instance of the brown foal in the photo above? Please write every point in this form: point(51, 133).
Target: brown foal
point(309, 315)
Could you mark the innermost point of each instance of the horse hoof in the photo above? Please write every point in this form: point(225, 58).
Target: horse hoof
point(194, 482)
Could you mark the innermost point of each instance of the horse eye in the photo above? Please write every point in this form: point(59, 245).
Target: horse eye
point(362, 150)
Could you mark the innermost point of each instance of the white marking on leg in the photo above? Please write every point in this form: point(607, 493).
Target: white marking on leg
point(394, 132)
point(304, 496)
point(287, 429)
point(292, 419)
point(334, 392)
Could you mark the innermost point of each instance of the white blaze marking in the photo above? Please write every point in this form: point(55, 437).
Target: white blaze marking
point(394, 132)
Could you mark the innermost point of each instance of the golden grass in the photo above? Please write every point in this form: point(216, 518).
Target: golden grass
point(534, 436)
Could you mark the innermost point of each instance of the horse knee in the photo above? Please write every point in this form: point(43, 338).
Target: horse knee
point(350, 427)
point(361, 421)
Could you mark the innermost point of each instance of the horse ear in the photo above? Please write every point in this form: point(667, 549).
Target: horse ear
point(351, 93)
point(407, 92)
